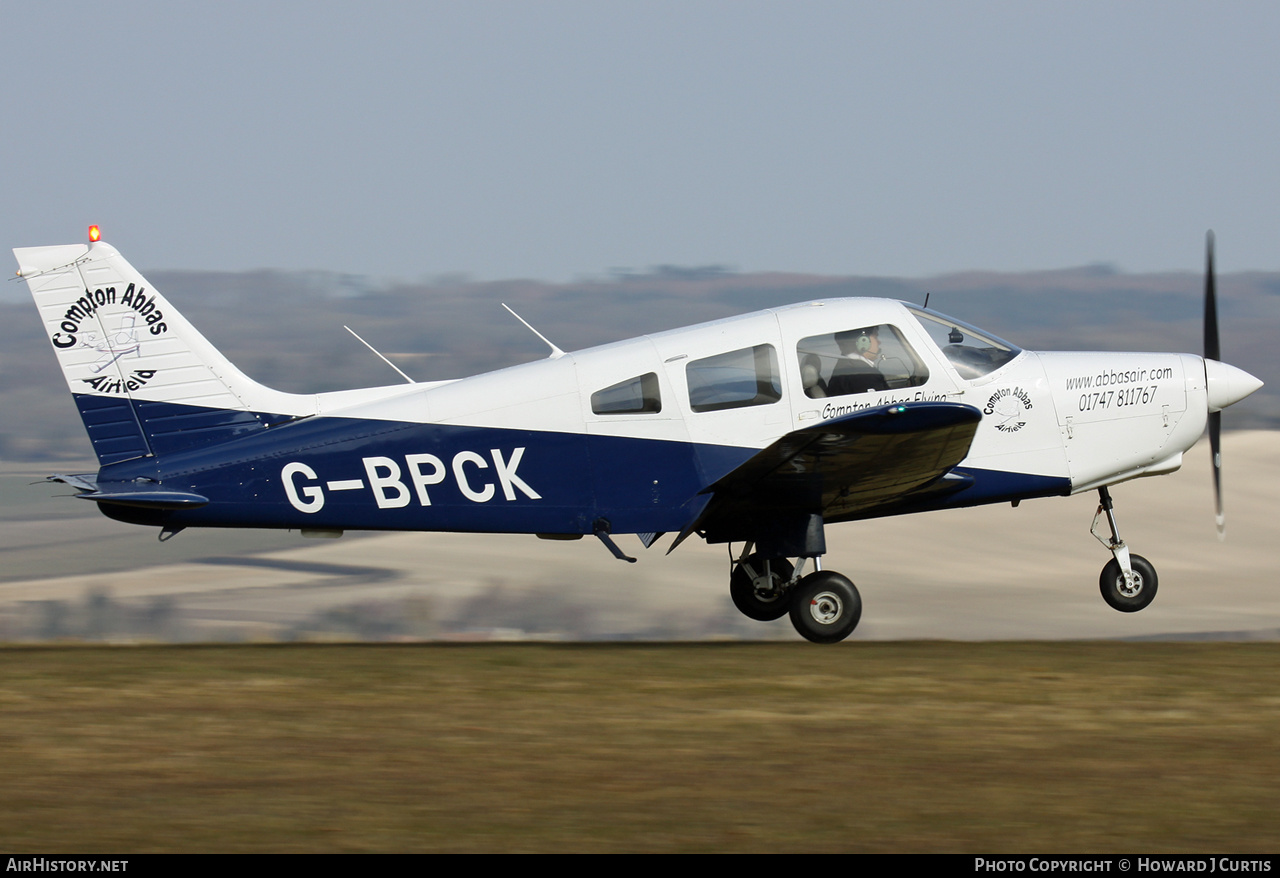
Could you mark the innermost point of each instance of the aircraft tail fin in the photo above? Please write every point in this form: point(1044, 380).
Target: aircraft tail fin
point(145, 380)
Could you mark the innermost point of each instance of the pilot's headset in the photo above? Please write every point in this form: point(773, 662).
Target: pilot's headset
point(863, 342)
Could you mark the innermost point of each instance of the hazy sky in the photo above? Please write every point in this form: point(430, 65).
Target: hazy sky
point(559, 139)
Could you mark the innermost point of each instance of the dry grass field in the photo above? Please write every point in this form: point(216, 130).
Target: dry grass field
point(768, 747)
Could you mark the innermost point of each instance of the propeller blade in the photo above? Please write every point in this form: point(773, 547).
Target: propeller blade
point(1215, 448)
point(1213, 351)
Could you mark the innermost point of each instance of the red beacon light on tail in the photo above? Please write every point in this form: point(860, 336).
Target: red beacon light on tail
point(94, 235)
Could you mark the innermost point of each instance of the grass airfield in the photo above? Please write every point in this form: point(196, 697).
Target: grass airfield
point(988, 702)
point(768, 747)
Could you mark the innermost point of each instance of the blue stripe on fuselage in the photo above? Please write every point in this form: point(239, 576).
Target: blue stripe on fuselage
point(357, 474)
point(636, 485)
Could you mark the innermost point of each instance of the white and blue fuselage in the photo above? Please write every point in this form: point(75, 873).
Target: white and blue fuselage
point(760, 428)
point(524, 449)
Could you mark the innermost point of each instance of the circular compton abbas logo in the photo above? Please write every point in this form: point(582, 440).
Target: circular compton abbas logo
point(1008, 407)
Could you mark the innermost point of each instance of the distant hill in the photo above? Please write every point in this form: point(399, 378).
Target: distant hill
point(285, 328)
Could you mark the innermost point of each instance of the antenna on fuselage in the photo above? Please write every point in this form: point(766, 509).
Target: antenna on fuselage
point(378, 352)
point(926, 301)
point(556, 353)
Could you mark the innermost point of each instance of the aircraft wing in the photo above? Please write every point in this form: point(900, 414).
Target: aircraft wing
point(844, 466)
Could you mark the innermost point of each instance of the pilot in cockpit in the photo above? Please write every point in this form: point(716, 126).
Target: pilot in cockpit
point(858, 370)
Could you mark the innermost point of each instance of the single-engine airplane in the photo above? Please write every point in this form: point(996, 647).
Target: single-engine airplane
point(760, 429)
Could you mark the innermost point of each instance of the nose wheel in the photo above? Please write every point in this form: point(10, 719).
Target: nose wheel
point(1128, 582)
point(1128, 594)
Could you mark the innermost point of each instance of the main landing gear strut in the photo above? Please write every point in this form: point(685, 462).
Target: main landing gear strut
point(1128, 582)
point(824, 606)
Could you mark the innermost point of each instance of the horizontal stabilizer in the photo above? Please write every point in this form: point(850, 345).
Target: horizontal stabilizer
point(158, 499)
point(81, 482)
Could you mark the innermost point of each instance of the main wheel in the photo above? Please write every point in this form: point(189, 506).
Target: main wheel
point(825, 607)
point(1133, 598)
point(763, 605)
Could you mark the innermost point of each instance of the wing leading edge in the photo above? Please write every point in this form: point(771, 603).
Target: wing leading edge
point(840, 468)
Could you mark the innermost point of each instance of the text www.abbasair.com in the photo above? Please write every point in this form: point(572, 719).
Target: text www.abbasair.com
point(1110, 378)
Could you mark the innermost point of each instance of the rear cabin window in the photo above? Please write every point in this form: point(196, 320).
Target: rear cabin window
point(858, 360)
point(634, 396)
point(734, 380)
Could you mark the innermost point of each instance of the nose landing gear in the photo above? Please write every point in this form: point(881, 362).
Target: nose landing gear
point(1128, 582)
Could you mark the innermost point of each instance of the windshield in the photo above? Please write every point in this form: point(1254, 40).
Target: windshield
point(971, 351)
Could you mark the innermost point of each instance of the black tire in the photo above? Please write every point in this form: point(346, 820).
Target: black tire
point(825, 607)
point(1111, 583)
point(752, 604)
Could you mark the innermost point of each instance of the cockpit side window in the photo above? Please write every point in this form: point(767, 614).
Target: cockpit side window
point(971, 351)
point(631, 397)
point(858, 360)
point(736, 379)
